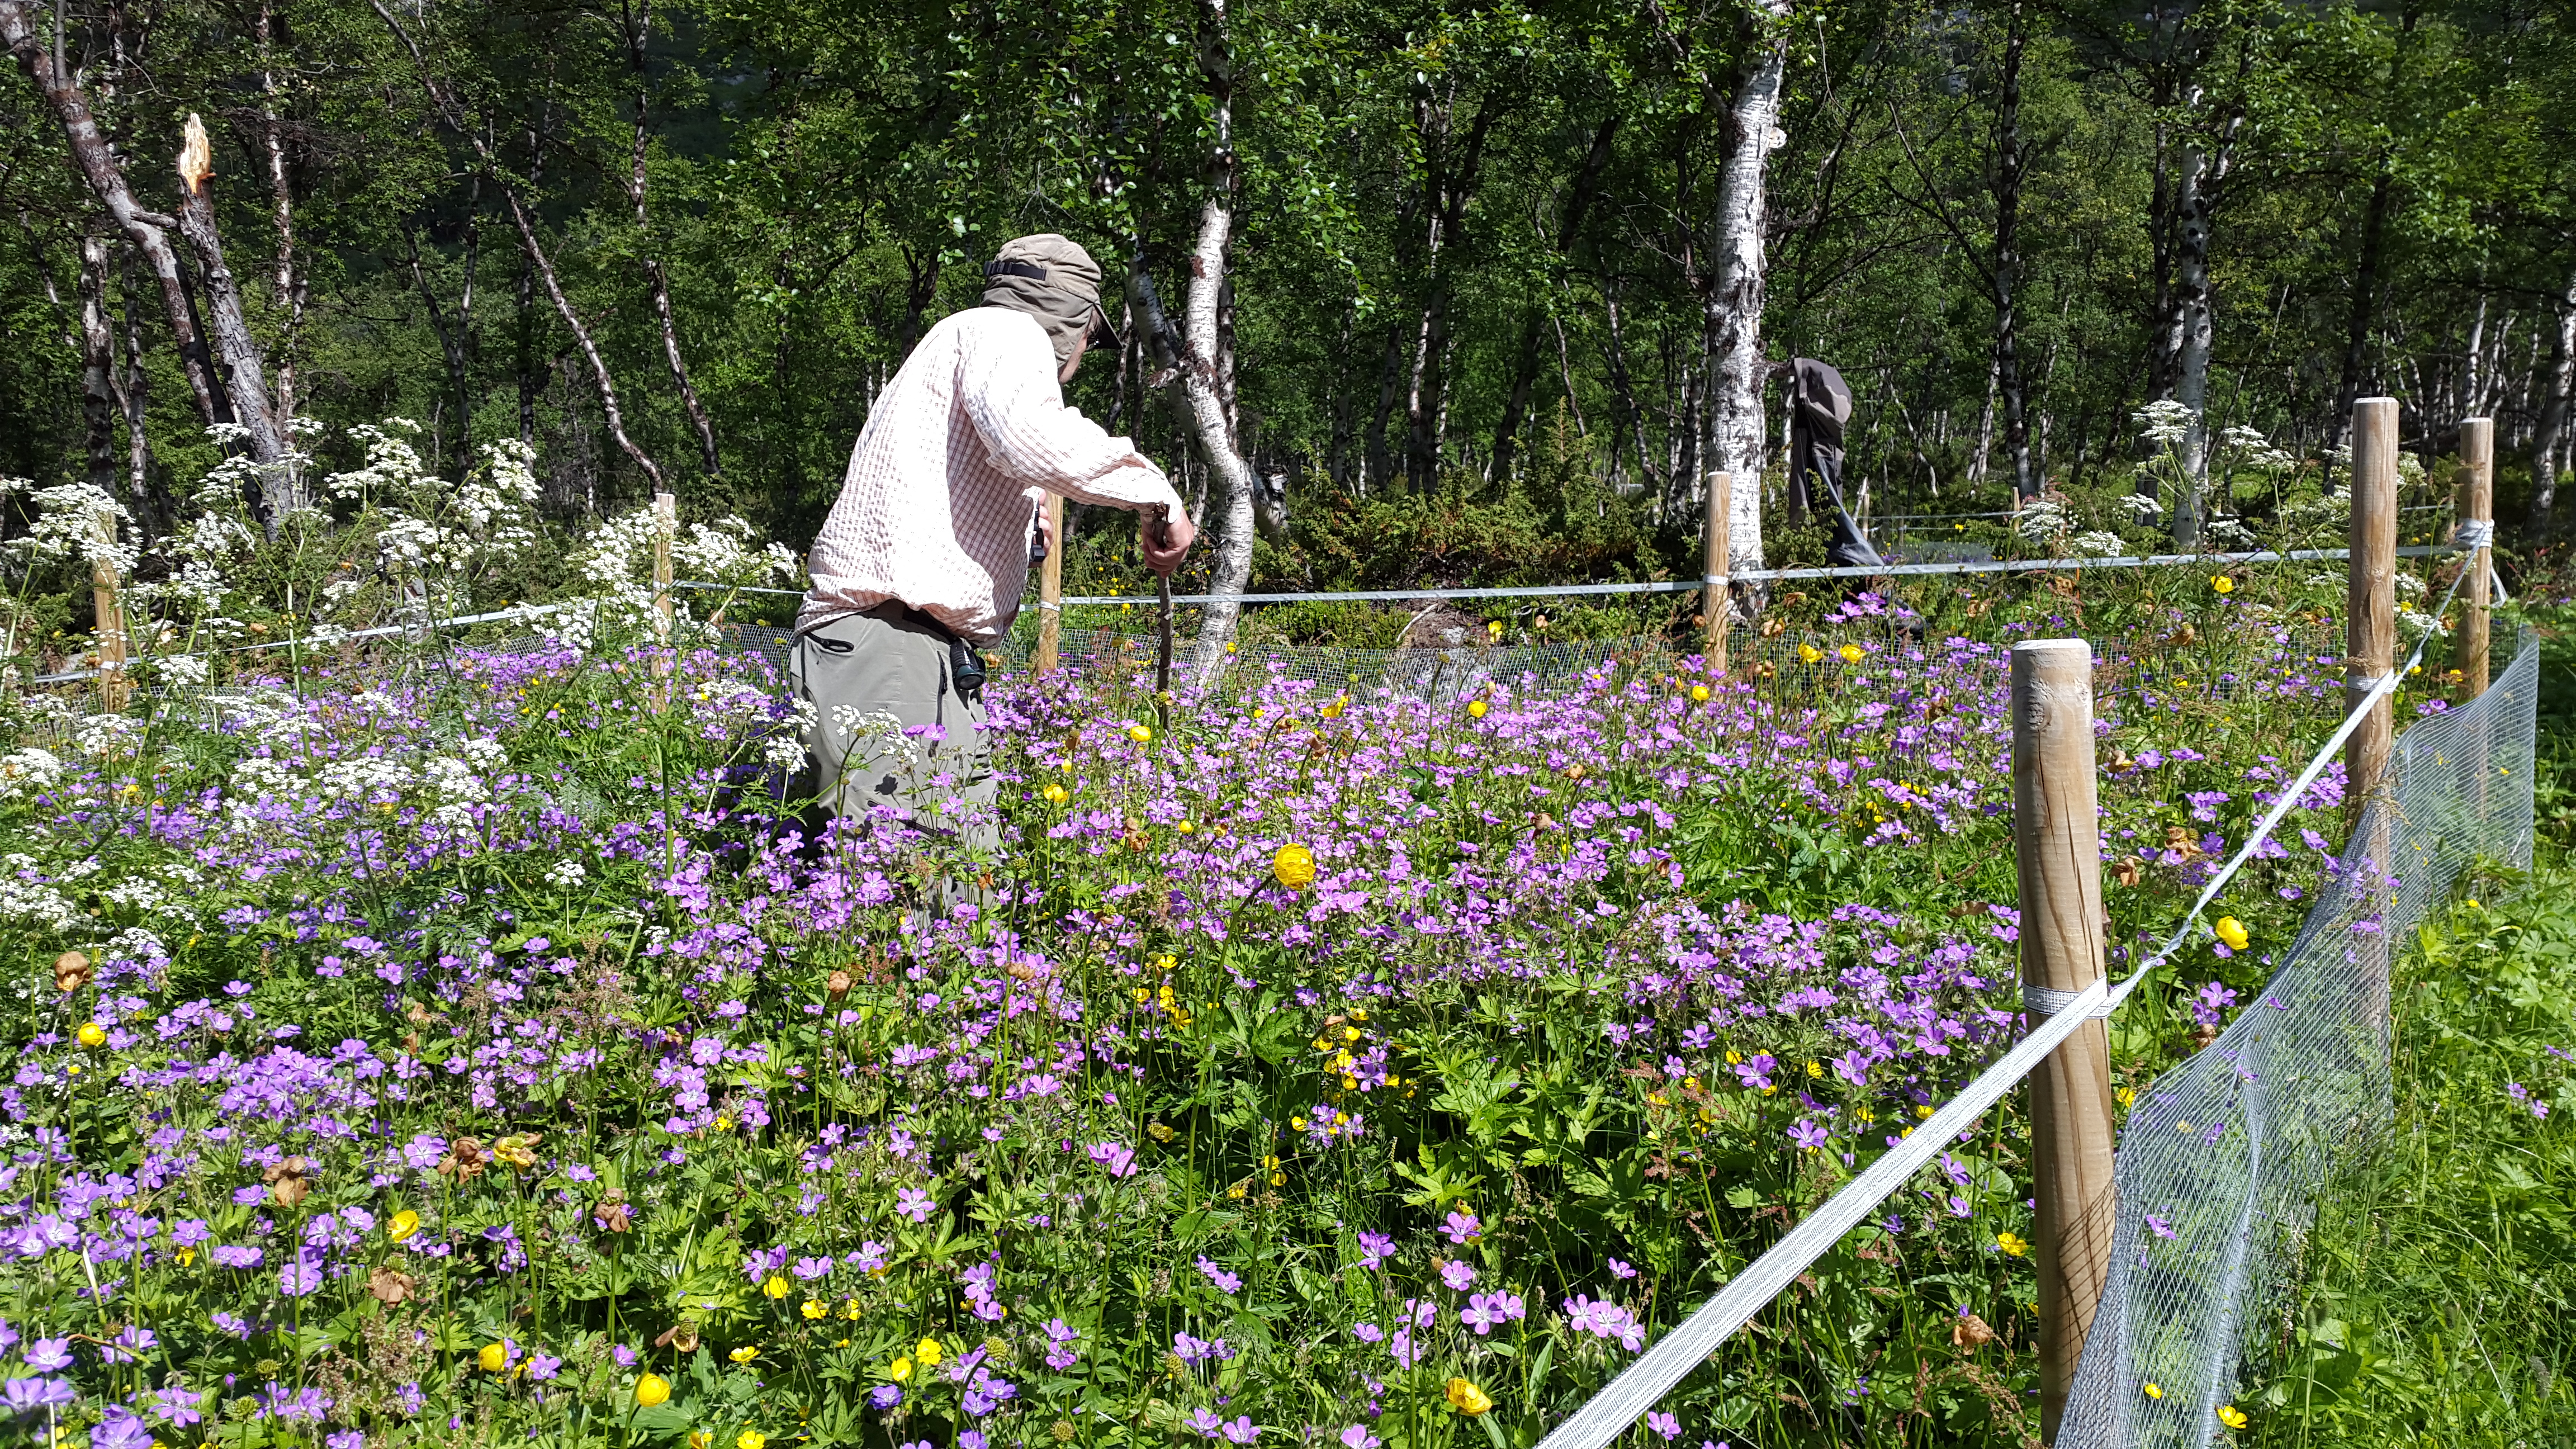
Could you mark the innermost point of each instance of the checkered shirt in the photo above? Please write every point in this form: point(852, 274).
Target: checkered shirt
point(940, 504)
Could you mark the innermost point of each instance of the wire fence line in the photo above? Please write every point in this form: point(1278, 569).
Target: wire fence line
point(1692, 586)
point(1663, 586)
point(2181, 1315)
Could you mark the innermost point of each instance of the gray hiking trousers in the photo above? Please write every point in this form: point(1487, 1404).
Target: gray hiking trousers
point(890, 727)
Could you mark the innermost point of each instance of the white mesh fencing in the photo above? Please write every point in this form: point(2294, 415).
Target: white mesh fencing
point(2222, 1158)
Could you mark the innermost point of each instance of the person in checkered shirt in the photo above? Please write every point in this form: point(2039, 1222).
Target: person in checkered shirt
point(924, 557)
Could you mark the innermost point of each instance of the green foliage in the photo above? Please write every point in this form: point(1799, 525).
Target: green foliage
point(2440, 1276)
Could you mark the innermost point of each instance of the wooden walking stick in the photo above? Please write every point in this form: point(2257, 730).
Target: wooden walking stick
point(1162, 525)
point(1051, 589)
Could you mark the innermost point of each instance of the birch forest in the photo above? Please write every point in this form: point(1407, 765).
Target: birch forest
point(1412, 252)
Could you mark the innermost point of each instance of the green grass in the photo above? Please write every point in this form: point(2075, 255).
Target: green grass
point(2438, 1302)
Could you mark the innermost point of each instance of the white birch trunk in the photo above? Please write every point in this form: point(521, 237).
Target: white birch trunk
point(2553, 415)
point(1734, 306)
point(2193, 334)
point(1199, 374)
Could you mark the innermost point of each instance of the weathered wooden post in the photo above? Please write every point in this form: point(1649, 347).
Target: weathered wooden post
point(2476, 511)
point(115, 683)
point(2370, 648)
point(1051, 588)
point(1713, 571)
point(2370, 597)
point(2057, 851)
point(666, 524)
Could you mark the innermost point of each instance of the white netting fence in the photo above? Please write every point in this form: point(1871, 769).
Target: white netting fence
point(2222, 1159)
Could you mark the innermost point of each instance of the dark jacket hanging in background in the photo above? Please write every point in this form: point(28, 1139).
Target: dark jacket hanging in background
point(1822, 404)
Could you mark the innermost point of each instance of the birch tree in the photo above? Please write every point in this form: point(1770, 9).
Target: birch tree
point(1733, 306)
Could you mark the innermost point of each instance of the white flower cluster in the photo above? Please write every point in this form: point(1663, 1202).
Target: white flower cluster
point(432, 528)
point(2230, 532)
point(785, 750)
point(108, 736)
point(2098, 544)
point(2143, 507)
point(29, 771)
point(2421, 624)
point(264, 777)
point(366, 780)
point(458, 788)
point(185, 670)
point(732, 703)
point(32, 900)
point(2166, 422)
point(2253, 450)
point(2315, 512)
point(78, 522)
point(2043, 519)
point(392, 465)
point(566, 874)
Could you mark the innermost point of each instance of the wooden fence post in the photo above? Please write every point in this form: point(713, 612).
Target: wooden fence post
point(666, 523)
point(2370, 647)
point(2476, 511)
point(1051, 588)
point(2370, 597)
point(115, 681)
point(2057, 852)
point(1713, 571)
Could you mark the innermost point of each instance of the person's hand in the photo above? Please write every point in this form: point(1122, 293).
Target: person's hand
point(1164, 557)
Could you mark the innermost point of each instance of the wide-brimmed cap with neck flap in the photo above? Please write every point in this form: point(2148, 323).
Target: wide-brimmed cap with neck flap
point(1054, 280)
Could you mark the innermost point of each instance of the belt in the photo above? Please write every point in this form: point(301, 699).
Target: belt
point(965, 661)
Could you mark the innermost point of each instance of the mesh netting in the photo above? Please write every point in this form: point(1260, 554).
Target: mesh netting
point(2222, 1158)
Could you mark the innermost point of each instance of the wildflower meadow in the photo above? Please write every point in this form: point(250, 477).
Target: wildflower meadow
point(471, 1044)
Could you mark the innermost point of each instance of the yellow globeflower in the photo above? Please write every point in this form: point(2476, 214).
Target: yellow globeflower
point(1293, 867)
point(752, 1439)
point(2152, 1389)
point(1475, 709)
point(1140, 734)
point(745, 1354)
point(1055, 794)
point(493, 1358)
point(2012, 1246)
point(776, 1287)
point(93, 1035)
point(701, 1439)
point(2231, 931)
point(652, 1389)
point(815, 1308)
point(403, 1225)
point(1850, 653)
point(1809, 653)
point(899, 1370)
point(1699, 694)
point(928, 1352)
point(1466, 1398)
point(2232, 1416)
point(2224, 585)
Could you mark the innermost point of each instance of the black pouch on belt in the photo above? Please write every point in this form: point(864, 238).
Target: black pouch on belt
point(965, 668)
